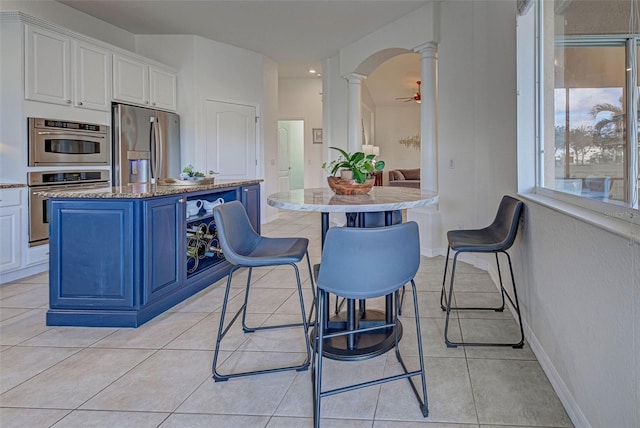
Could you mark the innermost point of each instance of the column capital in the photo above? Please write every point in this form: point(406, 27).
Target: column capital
point(355, 77)
point(427, 50)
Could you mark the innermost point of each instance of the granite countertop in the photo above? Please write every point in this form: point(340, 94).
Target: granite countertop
point(143, 190)
point(11, 185)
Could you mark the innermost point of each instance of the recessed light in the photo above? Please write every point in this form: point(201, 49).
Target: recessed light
point(311, 70)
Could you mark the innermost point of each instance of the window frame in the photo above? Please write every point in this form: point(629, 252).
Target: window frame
point(621, 210)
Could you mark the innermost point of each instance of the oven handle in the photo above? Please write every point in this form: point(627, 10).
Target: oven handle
point(74, 133)
point(45, 188)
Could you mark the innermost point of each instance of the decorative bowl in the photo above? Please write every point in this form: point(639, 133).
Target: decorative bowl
point(341, 186)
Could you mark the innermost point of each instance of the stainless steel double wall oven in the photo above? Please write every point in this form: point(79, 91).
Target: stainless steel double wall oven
point(79, 148)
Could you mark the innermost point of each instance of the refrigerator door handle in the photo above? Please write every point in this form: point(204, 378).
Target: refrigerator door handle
point(152, 138)
point(160, 145)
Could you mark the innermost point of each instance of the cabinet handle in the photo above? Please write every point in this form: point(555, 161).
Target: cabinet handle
point(79, 103)
point(246, 190)
point(182, 201)
point(146, 102)
point(68, 101)
point(153, 103)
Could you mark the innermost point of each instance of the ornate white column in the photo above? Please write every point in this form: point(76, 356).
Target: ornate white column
point(429, 116)
point(354, 118)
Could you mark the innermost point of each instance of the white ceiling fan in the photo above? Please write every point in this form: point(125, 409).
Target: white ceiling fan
point(416, 97)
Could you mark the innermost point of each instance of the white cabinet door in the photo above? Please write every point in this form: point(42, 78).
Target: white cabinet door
point(162, 89)
point(47, 66)
point(130, 80)
point(10, 229)
point(92, 77)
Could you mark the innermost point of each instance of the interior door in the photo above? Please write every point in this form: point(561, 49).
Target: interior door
point(284, 164)
point(230, 135)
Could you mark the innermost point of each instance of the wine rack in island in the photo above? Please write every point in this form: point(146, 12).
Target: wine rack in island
point(203, 246)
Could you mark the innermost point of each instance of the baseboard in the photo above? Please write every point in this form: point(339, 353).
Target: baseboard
point(578, 418)
point(557, 383)
point(23, 273)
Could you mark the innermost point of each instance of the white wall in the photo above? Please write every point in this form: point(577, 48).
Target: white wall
point(301, 98)
point(581, 288)
point(476, 112)
point(581, 294)
point(392, 124)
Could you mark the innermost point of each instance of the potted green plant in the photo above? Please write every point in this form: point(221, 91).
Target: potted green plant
point(361, 166)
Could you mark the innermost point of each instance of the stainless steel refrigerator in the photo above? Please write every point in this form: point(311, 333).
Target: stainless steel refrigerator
point(146, 145)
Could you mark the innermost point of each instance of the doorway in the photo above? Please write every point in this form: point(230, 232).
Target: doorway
point(290, 155)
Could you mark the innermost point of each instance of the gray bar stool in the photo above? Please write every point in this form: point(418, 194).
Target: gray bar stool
point(364, 263)
point(496, 238)
point(243, 247)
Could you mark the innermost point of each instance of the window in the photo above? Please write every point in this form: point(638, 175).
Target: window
point(589, 138)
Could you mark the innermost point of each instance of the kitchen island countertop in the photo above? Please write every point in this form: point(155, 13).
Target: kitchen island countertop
point(143, 190)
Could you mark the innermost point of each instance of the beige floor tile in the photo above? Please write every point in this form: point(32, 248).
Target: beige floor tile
point(81, 337)
point(32, 418)
point(207, 300)
point(288, 422)
point(422, 424)
point(179, 420)
point(360, 404)
point(6, 313)
point(101, 419)
point(257, 395)
point(203, 335)
point(284, 340)
point(15, 288)
point(154, 334)
point(261, 300)
point(160, 384)
point(22, 327)
point(34, 298)
point(71, 382)
point(433, 345)
point(448, 388)
point(511, 392)
point(22, 363)
point(483, 331)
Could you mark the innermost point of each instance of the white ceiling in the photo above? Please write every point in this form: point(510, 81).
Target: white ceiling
point(297, 34)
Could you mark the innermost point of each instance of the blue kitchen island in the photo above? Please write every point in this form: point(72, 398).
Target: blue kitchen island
point(121, 256)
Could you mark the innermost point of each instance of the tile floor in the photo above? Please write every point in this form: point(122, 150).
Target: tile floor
point(159, 375)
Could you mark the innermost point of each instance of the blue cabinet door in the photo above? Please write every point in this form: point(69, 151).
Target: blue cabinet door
point(163, 246)
point(250, 198)
point(91, 255)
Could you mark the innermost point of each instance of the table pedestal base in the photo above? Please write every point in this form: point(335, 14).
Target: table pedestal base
point(366, 345)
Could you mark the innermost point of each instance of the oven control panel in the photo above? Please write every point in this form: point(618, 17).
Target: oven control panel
point(49, 178)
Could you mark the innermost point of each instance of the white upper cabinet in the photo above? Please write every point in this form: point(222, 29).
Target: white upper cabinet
point(130, 80)
point(47, 66)
point(163, 89)
point(137, 82)
point(51, 67)
point(92, 76)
